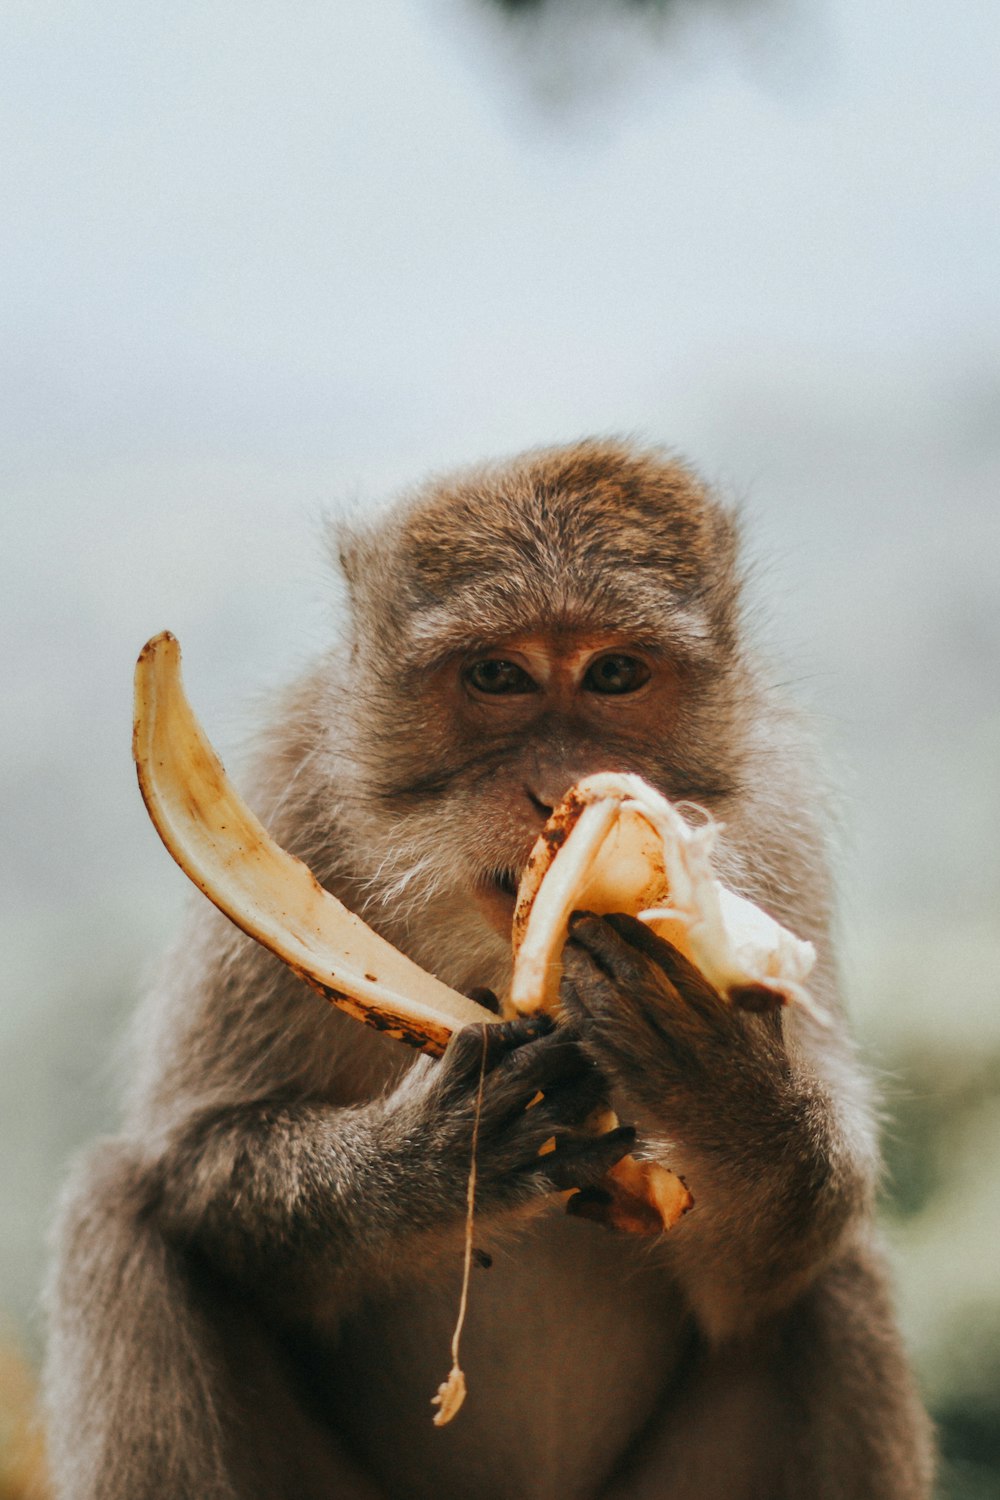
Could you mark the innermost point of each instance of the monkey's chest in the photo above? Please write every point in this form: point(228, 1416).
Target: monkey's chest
point(570, 1339)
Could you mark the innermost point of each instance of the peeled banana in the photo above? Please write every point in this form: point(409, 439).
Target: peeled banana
point(615, 844)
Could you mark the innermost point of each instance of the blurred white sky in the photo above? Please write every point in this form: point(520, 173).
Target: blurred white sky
point(260, 259)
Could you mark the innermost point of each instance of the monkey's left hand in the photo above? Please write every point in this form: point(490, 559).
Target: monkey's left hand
point(774, 1159)
point(656, 1026)
point(759, 1137)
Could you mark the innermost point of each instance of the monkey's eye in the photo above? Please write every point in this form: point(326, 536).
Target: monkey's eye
point(616, 673)
point(494, 675)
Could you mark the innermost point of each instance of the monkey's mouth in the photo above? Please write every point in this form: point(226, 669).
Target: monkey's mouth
point(497, 897)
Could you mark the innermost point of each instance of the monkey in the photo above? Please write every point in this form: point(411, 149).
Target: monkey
point(255, 1281)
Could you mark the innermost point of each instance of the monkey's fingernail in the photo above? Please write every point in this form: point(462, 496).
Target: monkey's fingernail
point(576, 917)
point(485, 998)
point(525, 1029)
point(480, 1257)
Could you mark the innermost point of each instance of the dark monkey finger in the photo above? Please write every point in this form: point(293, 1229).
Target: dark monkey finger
point(571, 1101)
point(689, 982)
point(633, 1025)
point(581, 1161)
point(463, 1060)
point(636, 960)
point(553, 1080)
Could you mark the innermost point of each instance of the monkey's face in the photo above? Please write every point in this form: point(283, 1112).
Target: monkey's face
point(544, 710)
point(483, 743)
point(513, 633)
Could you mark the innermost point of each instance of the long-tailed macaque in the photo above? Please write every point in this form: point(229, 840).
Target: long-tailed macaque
point(258, 1277)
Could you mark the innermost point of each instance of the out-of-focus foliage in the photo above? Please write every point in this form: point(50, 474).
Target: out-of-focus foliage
point(22, 1467)
point(528, 5)
point(944, 1110)
point(968, 1408)
point(933, 1103)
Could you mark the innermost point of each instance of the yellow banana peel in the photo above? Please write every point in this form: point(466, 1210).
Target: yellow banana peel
point(270, 894)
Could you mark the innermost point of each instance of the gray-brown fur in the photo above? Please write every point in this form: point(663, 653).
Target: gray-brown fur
point(257, 1279)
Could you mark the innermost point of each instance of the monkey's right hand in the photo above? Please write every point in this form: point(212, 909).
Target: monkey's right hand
point(278, 1182)
point(538, 1088)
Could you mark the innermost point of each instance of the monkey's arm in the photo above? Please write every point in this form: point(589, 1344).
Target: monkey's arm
point(280, 1184)
point(781, 1168)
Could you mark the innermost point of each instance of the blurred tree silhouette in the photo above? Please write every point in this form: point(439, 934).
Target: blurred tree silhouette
point(517, 6)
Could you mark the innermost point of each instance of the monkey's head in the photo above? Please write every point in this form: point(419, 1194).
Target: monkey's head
point(520, 626)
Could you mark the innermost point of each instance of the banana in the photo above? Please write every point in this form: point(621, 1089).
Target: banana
point(270, 894)
point(275, 899)
point(614, 844)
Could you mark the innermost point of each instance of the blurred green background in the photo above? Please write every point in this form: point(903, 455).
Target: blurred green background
point(259, 262)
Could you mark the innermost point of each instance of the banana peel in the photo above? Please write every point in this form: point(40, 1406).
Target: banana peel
point(271, 895)
point(616, 844)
